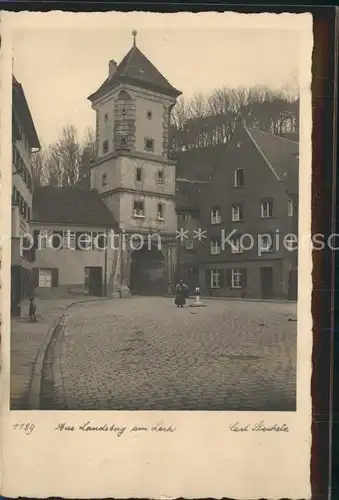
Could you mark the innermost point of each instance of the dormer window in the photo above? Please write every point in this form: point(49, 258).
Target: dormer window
point(239, 177)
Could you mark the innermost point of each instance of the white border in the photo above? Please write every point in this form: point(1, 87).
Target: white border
point(202, 458)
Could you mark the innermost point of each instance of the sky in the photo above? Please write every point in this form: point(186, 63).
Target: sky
point(60, 65)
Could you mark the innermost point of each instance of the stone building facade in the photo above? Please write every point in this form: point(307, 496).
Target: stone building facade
point(249, 211)
point(133, 172)
point(76, 252)
point(24, 143)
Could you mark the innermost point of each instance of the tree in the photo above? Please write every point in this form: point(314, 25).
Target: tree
point(209, 119)
point(89, 146)
point(59, 164)
point(40, 176)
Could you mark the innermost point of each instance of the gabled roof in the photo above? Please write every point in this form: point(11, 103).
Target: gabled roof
point(199, 164)
point(70, 205)
point(187, 196)
point(20, 105)
point(137, 70)
point(281, 155)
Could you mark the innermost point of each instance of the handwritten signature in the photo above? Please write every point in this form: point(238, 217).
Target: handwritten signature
point(258, 427)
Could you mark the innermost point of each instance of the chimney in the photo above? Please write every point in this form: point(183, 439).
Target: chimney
point(112, 67)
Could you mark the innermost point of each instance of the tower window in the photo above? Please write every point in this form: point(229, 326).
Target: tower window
point(149, 115)
point(104, 180)
point(138, 208)
point(106, 117)
point(160, 211)
point(123, 141)
point(149, 144)
point(160, 176)
point(139, 174)
point(105, 146)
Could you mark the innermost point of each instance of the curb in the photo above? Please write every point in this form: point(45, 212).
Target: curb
point(35, 383)
point(239, 299)
point(57, 378)
point(36, 377)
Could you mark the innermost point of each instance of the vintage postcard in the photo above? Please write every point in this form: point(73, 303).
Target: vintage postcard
point(156, 255)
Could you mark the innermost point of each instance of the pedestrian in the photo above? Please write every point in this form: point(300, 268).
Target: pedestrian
point(32, 310)
point(181, 292)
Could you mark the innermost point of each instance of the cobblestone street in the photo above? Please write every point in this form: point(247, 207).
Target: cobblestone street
point(145, 354)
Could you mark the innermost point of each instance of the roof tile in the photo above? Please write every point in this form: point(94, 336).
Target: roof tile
point(70, 205)
point(136, 69)
point(282, 154)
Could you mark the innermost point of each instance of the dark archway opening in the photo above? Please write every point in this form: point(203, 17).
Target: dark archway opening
point(148, 276)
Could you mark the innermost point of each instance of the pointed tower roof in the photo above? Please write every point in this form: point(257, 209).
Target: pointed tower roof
point(137, 70)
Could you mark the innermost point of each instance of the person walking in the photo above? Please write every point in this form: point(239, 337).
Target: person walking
point(181, 292)
point(32, 310)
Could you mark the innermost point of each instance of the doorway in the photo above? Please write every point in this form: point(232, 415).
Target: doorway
point(148, 276)
point(266, 280)
point(93, 281)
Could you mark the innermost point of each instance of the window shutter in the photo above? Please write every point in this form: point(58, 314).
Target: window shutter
point(55, 277)
point(35, 277)
point(228, 273)
point(244, 278)
point(208, 278)
point(222, 278)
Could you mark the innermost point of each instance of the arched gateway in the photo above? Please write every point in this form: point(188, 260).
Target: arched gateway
point(148, 274)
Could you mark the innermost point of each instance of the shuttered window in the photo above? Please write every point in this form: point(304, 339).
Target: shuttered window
point(215, 278)
point(45, 278)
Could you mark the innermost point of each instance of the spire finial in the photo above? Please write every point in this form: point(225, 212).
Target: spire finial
point(134, 33)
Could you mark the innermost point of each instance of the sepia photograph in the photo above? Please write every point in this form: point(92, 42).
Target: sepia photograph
point(154, 236)
point(157, 275)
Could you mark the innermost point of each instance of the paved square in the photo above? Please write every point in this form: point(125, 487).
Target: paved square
point(143, 353)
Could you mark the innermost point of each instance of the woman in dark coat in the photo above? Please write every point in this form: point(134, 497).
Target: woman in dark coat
point(181, 291)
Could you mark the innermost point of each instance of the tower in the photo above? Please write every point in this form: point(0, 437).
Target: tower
point(133, 172)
